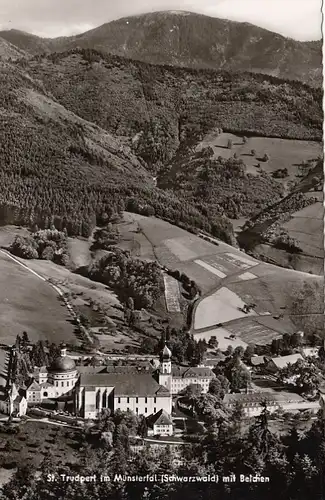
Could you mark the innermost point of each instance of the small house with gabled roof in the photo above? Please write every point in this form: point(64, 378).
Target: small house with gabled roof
point(159, 424)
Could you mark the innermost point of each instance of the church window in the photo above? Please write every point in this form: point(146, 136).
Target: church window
point(155, 410)
point(145, 411)
point(62, 384)
point(137, 400)
point(127, 400)
point(137, 410)
point(146, 400)
point(45, 394)
point(155, 400)
point(118, 400)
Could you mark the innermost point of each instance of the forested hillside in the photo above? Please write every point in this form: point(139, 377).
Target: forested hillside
point(166, 105)
point(57, 168)
point(161, 113)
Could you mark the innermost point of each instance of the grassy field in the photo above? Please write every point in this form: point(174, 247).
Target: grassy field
point(259, 330)
point(283, 153)
point(32, 305)
point(220, 307)
point(93, 300)
point(227, 277)
point(217, 268)
point(299, 262)
point(307, 228)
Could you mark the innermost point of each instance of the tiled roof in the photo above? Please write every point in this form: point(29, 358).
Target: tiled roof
point(88, 369)
point(257, 360)
point(190, 372)
point(159, 418)
point(137, 368)
point(283, 361)
point(34, 386)
point(141, 385)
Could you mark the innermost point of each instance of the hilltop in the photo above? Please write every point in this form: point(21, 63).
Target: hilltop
point(191, 40)
point(27, 42)
point(9, 51)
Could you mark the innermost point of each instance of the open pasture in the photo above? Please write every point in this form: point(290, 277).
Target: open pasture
point(220, 307)
point(274, 289)
point(283, 153)
point(30, 304)
point(223, 337)
point(307, 228)
point(8, 234)
point(133, 240)
point(188, 247)
point(269, 287)
point(299, 262)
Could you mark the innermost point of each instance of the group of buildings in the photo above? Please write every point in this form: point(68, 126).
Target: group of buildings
point(141, 388)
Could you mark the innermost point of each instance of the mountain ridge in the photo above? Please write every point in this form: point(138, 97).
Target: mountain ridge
point(191, 40)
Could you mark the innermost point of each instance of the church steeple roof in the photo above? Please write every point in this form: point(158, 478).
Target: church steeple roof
point(166, 353)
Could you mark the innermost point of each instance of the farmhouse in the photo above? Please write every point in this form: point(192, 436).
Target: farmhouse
point(177, 378)
point(253, 403)
point(276, 364)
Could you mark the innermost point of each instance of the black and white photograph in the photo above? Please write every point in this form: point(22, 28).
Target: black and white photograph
point(162, 330)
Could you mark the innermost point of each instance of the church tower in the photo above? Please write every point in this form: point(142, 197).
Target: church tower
point(165, 370)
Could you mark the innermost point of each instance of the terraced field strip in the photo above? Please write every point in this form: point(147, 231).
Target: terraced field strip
point(240, 260)
point(212, 268)
point(172, 294)
point(251, 332)
point(222, 265)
